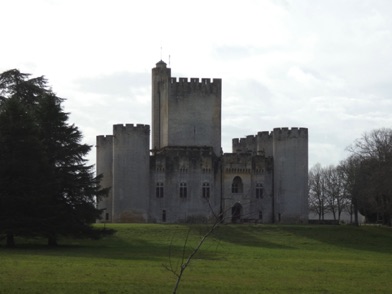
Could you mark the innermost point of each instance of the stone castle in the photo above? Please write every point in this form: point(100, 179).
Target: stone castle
point(185, 176)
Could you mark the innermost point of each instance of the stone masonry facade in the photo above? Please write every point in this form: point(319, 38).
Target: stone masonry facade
point(184, 176)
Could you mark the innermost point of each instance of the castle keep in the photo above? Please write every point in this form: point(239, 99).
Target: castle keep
point(185, 176)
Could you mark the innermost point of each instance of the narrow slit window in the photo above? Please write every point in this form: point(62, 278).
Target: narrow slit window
point(159, 190)
point(259, 191)
point(163, 216)
point(183, 190)
point(206, 190)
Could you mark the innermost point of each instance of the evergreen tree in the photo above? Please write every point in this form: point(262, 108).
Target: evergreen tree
point(75, 189)
point(50, 172)
point(23, 172)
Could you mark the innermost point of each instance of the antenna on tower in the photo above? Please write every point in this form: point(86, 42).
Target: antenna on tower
point(161, 50)
point(169, 60)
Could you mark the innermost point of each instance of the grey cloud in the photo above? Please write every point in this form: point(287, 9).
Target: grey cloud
point(251, 91)
point(118, 84)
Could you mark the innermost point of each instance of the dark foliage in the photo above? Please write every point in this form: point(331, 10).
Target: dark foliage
point(373, 172)
point(46, 186)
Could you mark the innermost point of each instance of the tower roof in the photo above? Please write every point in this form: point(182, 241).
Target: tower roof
point(161, 64)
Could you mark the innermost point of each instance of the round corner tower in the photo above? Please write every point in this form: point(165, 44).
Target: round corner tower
point(131, 173)
point(290, 155)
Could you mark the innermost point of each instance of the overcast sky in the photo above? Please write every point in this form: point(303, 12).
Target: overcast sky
point(325, 65)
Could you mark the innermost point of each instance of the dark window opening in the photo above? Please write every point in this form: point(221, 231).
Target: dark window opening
point(206, 190)
point(259, 190)
point(107, 216)
point(183, 190)
point(163, 215)
point(237, 186)
point(159, 190)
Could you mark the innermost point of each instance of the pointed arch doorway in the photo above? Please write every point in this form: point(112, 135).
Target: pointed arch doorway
point(236, 212)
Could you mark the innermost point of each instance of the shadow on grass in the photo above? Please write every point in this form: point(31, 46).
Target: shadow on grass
point(158, 242)
point(368, 238)
point(247, 235)
point(119, 246)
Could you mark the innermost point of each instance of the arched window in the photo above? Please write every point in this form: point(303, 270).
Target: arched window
point(259, 190)
point(206, 190)
point(236, 186)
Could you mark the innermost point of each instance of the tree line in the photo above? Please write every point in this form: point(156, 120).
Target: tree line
point(360, 183)
point(46, 187)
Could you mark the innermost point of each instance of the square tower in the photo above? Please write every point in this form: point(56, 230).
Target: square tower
point(185, 113)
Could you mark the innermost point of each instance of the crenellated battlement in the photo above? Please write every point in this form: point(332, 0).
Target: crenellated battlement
point(205, 86)
point(244, 145)
point(265, 135)
point(262, 142)
point(131, 128)
point(104, 140)
point(282, 133)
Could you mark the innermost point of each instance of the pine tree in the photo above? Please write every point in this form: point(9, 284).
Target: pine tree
point(75, 189)
point(23, 172)
point(50, 175)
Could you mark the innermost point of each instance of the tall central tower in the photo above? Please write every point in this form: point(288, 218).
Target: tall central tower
point(185, 113)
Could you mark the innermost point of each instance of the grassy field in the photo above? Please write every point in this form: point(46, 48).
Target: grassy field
point(234, 259)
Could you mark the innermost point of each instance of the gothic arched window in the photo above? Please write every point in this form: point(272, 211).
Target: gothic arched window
point(237, 186)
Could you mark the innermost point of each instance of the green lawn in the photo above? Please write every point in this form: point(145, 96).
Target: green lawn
point(234, 259)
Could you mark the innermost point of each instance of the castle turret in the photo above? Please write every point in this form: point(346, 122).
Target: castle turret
point(290, 152)
point(131, 173)
point(185, 112)
point(161, 76)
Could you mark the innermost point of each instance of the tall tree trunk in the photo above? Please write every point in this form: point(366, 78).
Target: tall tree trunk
point(10, 240)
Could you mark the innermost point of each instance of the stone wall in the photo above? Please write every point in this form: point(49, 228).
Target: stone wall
point(290, 153)
point(131, 172)
point(175, 167)
point(253, 170)
point(185, 112)
point(160, 82)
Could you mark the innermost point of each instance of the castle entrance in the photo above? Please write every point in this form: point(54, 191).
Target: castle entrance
point(236, 212)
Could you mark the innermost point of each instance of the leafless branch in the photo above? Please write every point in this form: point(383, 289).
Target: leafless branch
point(185, 264)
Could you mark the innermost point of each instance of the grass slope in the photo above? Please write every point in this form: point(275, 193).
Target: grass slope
point(235, 259)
